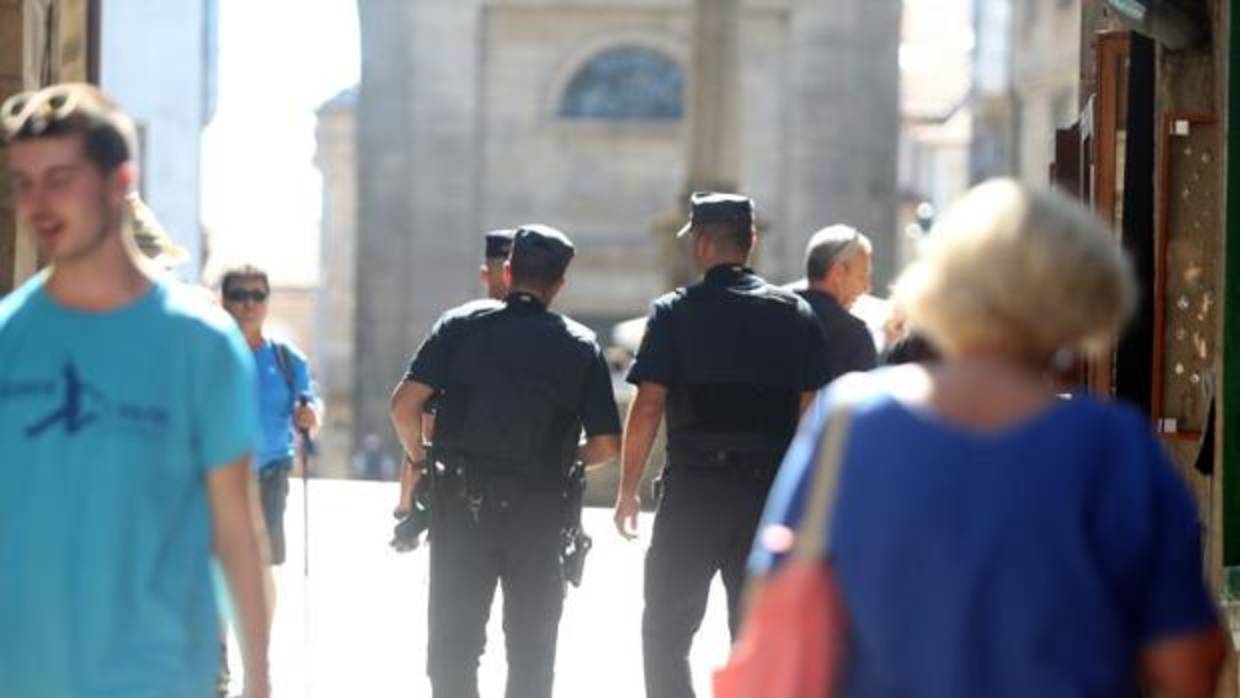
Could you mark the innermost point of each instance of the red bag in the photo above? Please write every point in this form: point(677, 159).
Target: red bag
point(792, 641)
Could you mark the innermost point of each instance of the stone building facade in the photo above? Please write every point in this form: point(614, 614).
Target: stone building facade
point(1045, 73)
point(1026, 75)
point(476, 114)
point(158, 61)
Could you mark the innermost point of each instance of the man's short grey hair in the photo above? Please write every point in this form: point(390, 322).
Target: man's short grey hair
point(833, 244)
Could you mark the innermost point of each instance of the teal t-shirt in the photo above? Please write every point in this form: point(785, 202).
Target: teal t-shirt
point(109, 424)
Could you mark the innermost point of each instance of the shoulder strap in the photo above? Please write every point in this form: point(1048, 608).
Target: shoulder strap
point(284, 361)
point(815, 534)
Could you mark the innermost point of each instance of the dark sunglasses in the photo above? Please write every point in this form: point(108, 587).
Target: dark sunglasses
point(240, 295)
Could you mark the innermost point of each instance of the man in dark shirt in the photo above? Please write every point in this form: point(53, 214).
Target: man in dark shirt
point(518, 386)
point(732, 361)
point(837, 273)
point(498, 243)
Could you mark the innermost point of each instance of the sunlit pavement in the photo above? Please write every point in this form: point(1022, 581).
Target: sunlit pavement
point(355, 627)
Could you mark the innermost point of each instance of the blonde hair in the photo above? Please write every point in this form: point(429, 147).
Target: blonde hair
point(1020, 271)
point(149, 235)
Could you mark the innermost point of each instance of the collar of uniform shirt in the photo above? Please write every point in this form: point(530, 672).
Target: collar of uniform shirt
point(521, 298)
point(726, 272)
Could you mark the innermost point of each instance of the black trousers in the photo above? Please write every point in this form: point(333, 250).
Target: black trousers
point(705, 524)
point(514, 541)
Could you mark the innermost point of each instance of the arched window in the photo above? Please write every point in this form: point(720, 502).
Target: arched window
point(626, 83)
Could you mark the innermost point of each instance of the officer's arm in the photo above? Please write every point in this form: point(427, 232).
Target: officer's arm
point(408, 401)
point(645, 415)
point(643, 425)
point(599, 450)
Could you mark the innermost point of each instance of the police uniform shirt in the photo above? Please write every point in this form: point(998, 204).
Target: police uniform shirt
point(850, 347)
point(732, 337)
point(515, 378)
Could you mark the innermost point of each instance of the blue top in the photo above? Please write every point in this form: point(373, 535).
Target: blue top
point(109, 424)
point(1036, 560)
point(276, 403)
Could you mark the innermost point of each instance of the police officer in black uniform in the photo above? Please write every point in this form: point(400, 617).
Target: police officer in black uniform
point(498, 243)
point(732, 360)
point(519, 385)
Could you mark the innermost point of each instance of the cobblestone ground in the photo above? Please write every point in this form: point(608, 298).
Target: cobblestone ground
point(356, 626)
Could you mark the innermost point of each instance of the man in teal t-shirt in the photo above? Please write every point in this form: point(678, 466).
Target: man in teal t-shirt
point(127, 419)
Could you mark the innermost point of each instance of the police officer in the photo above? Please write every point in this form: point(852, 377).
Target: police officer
point(732, 360)
point(498, 243)
point(519, 385)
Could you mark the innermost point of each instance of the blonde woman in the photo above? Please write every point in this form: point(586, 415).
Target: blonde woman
point(990, 539)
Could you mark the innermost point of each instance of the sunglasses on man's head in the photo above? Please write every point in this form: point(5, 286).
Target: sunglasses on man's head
point(241, 295)
point(38, 106)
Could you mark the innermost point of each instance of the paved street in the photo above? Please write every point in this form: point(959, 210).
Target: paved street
point(356, 627)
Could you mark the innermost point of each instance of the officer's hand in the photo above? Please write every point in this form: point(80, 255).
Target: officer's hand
point(627, 508)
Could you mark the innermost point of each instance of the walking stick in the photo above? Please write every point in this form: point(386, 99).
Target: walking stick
point(307, 450)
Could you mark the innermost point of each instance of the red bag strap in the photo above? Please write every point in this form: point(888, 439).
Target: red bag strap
point(815, 535)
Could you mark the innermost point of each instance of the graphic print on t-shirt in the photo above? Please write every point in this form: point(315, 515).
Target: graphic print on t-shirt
point(71, 410)
point(79, 405)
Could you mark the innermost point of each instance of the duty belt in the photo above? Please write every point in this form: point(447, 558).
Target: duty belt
point(755, 464)
point(464, 479)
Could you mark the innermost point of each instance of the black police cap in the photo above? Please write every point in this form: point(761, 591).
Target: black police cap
point(499, 244)
point(543, 241)
point(715, 207)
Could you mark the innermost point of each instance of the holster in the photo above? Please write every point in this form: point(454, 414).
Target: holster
point(574, 543)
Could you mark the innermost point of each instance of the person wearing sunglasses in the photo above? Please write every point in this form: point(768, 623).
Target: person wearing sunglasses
point(286, 396)
point(127, 421)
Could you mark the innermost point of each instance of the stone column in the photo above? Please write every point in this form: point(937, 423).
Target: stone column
point(336, 303)
point(712, 114)
point(844, 124)
point(384, 241)
point(419, 229)
point(714, 94)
